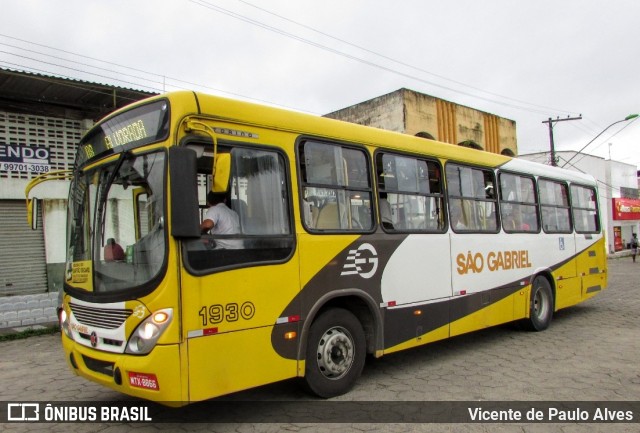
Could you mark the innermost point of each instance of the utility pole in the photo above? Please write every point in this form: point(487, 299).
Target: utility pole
point(551, 122)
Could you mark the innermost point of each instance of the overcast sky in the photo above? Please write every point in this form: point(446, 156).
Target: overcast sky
point(523, 60)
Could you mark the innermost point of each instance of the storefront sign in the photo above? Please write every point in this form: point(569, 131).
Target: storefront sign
point(24, 159)
point(626, 209)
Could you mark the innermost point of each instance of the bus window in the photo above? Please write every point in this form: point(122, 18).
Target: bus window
point(336, 187)
point(259, 195)
point(471, 197)
point(128, 218)
point(554, 205)
point(585, 209)
point(518, 207)
point(410, 194)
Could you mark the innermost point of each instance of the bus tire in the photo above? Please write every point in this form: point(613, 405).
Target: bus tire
point(336, 351)
point(541, 305)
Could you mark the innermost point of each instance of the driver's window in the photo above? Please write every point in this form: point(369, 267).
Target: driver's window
point(250, 223)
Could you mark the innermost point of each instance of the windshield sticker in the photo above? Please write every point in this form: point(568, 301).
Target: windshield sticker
point(81, 271)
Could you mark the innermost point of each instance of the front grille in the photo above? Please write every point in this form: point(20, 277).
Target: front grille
point(104, 318)
point(107, 341)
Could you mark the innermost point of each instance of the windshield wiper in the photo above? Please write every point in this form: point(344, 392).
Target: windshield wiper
point(105, 191)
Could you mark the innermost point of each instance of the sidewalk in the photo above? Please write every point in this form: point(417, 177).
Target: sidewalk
point(25, 311)
point(620, 254)
point(21, 329)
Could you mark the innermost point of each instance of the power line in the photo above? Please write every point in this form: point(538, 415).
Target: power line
point(606, 139)
point(155, 89)
point(276, 30)
point(394, 60)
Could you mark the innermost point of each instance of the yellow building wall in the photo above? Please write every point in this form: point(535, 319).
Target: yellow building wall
point(413, 113)
point(470, 125)
point(421, 115)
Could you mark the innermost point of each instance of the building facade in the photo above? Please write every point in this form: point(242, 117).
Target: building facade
point(42, 118)
point(414, 113)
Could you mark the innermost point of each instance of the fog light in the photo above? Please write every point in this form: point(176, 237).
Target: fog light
point(117, 376)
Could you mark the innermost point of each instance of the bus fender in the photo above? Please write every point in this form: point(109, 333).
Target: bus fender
point(333, 299)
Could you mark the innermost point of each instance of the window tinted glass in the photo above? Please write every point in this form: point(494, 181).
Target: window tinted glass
point(336, 189)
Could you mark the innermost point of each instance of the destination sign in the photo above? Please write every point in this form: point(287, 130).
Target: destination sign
point(137, 127)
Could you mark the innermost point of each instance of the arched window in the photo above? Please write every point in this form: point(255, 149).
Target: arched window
point(424, 134)
point(471, 144)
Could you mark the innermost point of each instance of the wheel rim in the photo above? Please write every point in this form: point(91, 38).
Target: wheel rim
point(335, 353)
point(541, 304)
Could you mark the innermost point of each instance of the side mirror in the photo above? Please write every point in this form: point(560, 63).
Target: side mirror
point(183, 176)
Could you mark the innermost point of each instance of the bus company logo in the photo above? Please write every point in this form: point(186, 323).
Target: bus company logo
point(362, 261)
point(139, 312)
point(94, 339)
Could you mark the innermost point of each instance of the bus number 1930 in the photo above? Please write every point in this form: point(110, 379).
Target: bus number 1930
point(217, 313)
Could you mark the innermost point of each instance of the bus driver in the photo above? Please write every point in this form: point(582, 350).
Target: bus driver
point(220, 220)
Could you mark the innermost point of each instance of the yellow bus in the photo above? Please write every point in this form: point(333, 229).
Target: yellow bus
point(347, 241)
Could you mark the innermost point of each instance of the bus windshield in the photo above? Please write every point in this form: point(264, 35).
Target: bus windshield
point(116, 230)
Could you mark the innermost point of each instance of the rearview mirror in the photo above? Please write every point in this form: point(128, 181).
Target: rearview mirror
point(185, 219)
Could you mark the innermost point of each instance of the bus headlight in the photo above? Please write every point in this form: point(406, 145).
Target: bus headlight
point(64, 324)
point(146, 335)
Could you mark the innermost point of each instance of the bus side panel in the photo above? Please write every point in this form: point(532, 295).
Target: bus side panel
point(567, 290)
point(418, 270)
point(416, 275)
point(441, 333)
point(494, 313)
point(491, 276)
point(235, 361)
point(592, 264)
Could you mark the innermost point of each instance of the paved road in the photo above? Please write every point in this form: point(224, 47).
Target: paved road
point(591, 352)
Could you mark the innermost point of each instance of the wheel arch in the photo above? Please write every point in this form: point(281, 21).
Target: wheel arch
point(358, 302)
point(547, 274)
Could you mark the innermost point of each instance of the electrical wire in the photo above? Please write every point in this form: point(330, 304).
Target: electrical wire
point(391, 59)
point(606, 140)
point(290, 35)
point(189, 84)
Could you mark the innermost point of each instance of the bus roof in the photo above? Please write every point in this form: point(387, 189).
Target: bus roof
point(248, 113)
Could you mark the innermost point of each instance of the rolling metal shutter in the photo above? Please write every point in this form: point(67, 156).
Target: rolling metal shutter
point(22, 256)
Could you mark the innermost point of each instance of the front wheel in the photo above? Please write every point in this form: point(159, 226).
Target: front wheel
point(336, 351)
point(541, 305)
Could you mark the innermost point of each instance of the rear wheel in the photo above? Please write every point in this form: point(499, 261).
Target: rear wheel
point(336, 351)
point(541, 305)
